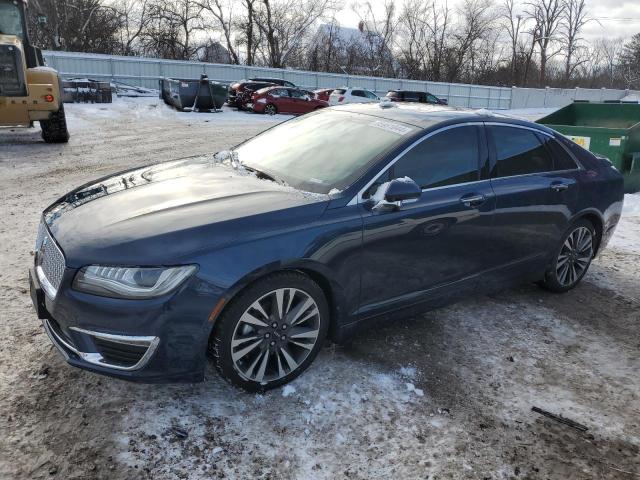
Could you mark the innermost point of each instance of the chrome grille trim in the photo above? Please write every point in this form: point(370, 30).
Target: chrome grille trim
point(50, 262)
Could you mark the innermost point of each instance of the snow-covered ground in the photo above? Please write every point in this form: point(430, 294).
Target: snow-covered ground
point(446, 394)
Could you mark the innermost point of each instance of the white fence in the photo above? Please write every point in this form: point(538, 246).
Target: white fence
point(559, 97)
point(146, 72)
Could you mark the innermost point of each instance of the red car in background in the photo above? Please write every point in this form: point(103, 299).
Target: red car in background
point(278, 99)
point(323, 93)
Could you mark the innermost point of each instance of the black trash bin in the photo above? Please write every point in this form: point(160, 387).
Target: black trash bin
point(191, 94)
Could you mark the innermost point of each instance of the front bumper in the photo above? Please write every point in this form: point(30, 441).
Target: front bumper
point(155, 341)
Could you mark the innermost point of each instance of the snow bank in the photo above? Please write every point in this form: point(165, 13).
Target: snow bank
point(631, 206)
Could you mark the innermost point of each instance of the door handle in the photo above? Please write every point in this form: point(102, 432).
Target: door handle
point(472, 200)
point(559, 186)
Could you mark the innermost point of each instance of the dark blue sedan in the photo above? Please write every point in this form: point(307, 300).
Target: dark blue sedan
point(311, 230)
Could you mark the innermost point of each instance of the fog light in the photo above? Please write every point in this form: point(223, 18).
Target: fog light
point(48, 98)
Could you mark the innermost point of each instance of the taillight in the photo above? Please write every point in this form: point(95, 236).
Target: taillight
point(340, 98)
point(48, 98)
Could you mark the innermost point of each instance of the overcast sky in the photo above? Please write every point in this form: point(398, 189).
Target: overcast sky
point(615, 18)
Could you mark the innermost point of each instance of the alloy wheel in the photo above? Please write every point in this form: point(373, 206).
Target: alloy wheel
point(575, 256)
point(270, 110)
point(275, 335)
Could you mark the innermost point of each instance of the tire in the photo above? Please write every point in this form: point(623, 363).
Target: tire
point(55, 130)
point(572, 258)
point(270, 109)
point(253, 348)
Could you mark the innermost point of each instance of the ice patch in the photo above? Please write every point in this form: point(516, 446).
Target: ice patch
point(412, 388)
point(408, 372)
point(288, 390)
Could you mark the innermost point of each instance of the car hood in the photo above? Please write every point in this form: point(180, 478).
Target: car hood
point(162, 213)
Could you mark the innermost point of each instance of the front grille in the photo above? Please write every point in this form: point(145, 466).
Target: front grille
point(11, 77)
point(50, 260)
point(120, 354)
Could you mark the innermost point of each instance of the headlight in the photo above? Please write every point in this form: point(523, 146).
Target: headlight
point(126, 282)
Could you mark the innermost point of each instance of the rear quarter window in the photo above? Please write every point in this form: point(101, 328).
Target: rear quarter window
point(561, 158)
point(585, 157)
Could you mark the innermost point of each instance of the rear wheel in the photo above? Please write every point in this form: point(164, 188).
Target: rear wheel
point(271, 333)
point(54, 130)
point(270, 109)
point(572, 258)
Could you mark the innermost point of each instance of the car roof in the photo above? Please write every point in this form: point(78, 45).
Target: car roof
point(268, 79)
point(406, 91)
point(426, 115)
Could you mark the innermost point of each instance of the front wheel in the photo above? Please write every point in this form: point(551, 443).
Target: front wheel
point(271, 332)
point(572, 258)
point(54, 130)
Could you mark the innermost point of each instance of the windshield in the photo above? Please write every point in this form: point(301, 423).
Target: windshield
point(10, 19)
point(322, 151)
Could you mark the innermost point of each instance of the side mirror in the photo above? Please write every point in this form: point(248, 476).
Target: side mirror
point(397, 192)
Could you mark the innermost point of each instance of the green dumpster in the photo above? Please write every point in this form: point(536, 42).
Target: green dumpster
point(610, 130)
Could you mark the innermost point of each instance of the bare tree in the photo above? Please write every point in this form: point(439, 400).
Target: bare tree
point(413, 38)
point(547, 16)
point(475, 22)
point(223, 13)
point(513, 23)
point(379, 34)
point(439, 30)
point(172, 28)
point(75, 25)
point(284, 23)
point(134, 19)
point(610, 49)
point(574, 19)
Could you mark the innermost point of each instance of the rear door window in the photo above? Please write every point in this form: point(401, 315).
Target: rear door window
point(447, 158)
point(519, 152)
point(412, 96)
point(297, 93)
point(358, 93)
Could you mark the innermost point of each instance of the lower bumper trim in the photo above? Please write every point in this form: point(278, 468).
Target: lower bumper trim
point(95, 358)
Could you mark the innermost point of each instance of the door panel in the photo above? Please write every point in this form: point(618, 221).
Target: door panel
point(426, 250)
point(283, 101)
point(434, 247)
point(532, 208)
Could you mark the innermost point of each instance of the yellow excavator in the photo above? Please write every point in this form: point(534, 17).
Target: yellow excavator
point(29, 91)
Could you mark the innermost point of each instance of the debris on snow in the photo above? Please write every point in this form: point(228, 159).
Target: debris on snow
point(558, 418)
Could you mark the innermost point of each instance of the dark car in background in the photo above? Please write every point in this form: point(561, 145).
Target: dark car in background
point(272, 100)
point(412, 96)
point(275, 81)
point(312, 229)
